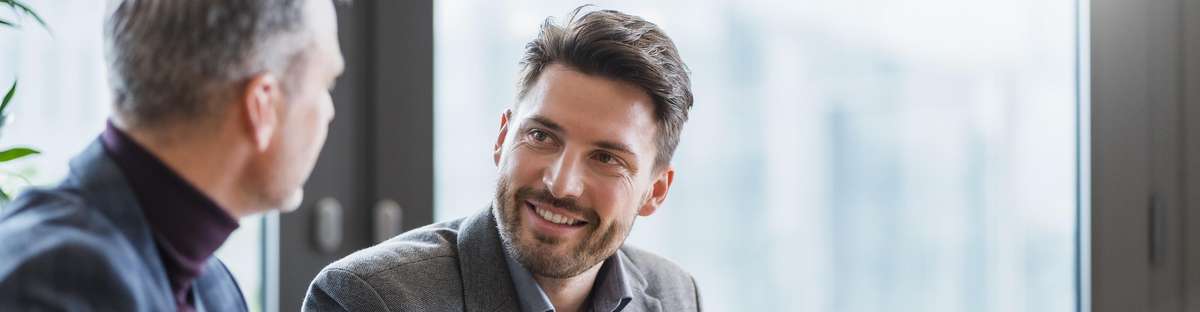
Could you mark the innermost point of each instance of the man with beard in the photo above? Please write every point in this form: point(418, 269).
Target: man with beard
point(584, 151)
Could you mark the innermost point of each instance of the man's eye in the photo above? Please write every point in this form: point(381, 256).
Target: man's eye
point(606, 158)
point(539, 136)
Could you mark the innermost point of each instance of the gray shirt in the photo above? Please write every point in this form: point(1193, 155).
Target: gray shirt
point(610, 292)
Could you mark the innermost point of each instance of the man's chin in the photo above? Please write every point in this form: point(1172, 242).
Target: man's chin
point(553, 265)
point(292, 202)
point(544, 258)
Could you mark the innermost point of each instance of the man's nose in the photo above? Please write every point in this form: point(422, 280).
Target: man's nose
point(563, 178)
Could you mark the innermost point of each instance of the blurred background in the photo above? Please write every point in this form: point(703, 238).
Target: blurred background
point(840, 156)
point(864, 155)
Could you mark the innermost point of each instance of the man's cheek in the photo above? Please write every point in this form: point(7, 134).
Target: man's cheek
point(522, 168)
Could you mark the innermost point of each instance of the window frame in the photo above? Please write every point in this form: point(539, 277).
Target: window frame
point(1143, 135)
point(379, 147)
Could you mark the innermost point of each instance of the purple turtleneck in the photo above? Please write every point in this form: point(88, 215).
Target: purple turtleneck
point(188, 226)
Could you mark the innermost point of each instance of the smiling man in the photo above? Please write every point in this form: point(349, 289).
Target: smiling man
point(585, 151)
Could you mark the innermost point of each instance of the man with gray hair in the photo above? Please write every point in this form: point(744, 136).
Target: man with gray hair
point(220, 108)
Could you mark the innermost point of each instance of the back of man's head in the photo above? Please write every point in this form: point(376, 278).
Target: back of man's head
point(180, 60)
point(240, 83)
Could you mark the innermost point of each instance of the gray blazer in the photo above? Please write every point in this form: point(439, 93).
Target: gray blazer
point(459, 266)
point(85, 246)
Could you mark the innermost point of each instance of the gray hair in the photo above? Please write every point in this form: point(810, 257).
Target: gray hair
point(172, 60)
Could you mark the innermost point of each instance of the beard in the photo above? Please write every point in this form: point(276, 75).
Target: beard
point(536, 251)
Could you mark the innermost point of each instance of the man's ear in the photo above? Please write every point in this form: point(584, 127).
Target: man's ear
point(658, 191)
point(499, 148)
point(258, 104)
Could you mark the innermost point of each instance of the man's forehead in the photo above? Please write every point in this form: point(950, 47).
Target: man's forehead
point(596, 104)
point(564, 90)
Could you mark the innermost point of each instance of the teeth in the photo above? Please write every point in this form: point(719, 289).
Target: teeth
point(554, 217)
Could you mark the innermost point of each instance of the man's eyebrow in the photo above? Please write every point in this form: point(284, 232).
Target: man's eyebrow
point(620, 147)
point(608, 145)
point(546, 122)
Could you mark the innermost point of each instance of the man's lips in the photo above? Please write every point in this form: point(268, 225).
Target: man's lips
point(555, 215)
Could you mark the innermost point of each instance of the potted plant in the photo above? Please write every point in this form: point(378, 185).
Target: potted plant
point(14, 153)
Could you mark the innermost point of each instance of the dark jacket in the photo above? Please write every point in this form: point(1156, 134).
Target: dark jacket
point(84, 245)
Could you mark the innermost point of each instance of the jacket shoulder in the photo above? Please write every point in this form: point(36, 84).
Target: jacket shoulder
point(420, 248)
point(47, 233)
point(49, 207)
point(665, 280)
point(419, 267)
point(46, 219)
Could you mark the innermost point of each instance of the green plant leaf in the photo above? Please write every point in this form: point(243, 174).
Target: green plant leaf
point(17, 152)
point(28, 11)
point(8, 97)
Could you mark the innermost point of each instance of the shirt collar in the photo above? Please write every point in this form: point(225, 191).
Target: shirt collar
point(610, 292)
point(188, 226)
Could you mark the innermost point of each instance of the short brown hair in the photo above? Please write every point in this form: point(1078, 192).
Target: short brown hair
point(622, 47)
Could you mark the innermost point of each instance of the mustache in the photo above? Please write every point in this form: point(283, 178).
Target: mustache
point(544, 195)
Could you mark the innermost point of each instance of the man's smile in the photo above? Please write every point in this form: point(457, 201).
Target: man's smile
point(552, 220)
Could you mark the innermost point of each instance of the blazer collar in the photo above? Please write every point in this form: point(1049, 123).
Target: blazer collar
point(487, 284)
point(642, 301)
point(100, 182)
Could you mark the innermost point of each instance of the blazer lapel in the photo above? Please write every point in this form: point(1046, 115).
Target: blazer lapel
point(637, 282)
point(487, 285)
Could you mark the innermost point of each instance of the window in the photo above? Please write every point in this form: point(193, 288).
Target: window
point(841, 156)
point(61, 105)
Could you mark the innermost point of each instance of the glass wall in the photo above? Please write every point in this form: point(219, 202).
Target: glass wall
point(858, 155)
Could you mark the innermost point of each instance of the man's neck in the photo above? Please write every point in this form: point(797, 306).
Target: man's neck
point(569, 294)
point(204, 163)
